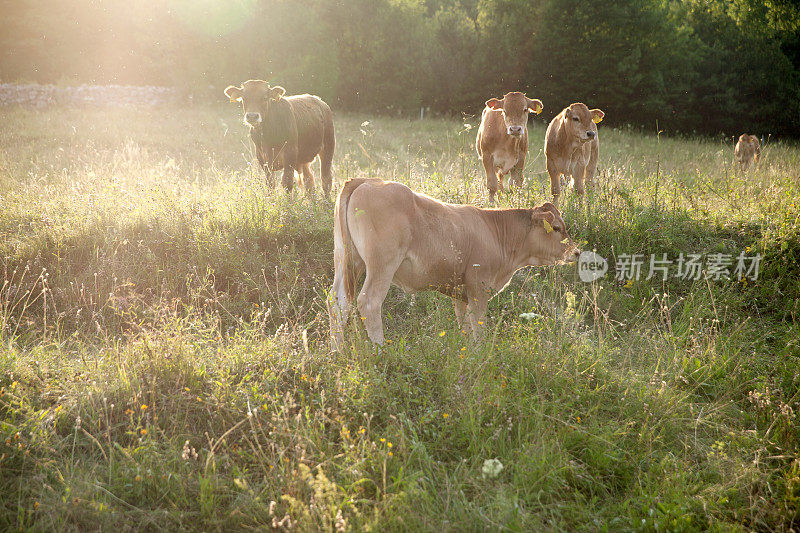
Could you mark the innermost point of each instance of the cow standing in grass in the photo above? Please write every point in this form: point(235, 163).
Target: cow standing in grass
point(572, 147)
point(747, 151)
point(502, 141)
point(288, 131)
point(394, 235)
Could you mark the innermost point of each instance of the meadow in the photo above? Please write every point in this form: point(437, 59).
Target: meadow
point(164, 360)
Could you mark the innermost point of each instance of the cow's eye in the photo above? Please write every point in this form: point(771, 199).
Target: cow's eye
point(576, 119)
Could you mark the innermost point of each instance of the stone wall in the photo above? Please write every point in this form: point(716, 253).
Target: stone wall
point(102, 95)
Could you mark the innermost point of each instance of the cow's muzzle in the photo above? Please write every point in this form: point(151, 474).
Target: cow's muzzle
point(516, 131)
point(252, 118)
point(572, 254)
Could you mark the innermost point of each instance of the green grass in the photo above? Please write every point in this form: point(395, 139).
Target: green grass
point(164, 361)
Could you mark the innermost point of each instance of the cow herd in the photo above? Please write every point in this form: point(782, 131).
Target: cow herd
point(393, 235)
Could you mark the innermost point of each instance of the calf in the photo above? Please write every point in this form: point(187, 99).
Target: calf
point(288, 132)
point(398, 236)
point(748, 151)
point(571, 147)
point(502, 141)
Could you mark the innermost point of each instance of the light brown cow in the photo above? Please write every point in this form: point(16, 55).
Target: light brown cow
point(748, 151)
point(571, 147)
point(288, 132)
point(502, 141)
point(398, 236)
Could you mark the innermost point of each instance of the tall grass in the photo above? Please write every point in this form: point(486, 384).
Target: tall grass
point(165, 365)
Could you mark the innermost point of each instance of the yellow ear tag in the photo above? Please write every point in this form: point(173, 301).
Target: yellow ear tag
point(547, 226)
point(537, 109)
point(597, 120)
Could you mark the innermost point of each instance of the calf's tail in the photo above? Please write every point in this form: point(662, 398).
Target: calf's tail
point(348, 266)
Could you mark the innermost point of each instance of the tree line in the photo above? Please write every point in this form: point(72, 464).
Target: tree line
point(705, 66)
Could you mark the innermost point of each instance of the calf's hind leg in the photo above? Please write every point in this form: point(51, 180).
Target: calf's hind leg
point(338, 309)
point(370, 300)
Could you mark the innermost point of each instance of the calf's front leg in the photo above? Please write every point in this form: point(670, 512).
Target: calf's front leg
point(478, 303)
point(491, 176)
point(288, 178)
point(460, 307)
point(555, 181)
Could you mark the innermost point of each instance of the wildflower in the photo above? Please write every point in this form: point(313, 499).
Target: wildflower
point(188, 452)
point(143, 431)
point(463, 348)
point(341, 522)
point(441, 333)
point(144, 407)
point(445, 415)
point(579, 419)
point(480, 322)
point(491, 468)
point(128, 412)
point(383, 440)
point(391, 454)
point(389, 444)
point(35, 505)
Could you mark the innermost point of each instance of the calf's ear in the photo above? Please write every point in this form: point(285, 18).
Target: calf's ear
point(494, 103)
point(597, 115)
point(535, 105)
point(234, 93)
point(550, 206)
point(276, 92)
point(545, 218)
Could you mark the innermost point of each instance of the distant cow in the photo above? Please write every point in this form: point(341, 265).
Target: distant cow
point(748, 151)
point(288, 132)
point(502, 141)
point(571, 147)
point(398, 236)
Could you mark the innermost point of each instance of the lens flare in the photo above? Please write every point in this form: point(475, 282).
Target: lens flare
point(213, 17)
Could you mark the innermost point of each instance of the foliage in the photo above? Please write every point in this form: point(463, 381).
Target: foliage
point(164, 361)
point(689, 65)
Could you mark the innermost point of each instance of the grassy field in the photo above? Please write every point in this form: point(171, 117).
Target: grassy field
point(164, 361)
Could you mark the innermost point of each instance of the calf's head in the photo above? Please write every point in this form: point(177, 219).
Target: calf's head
point(580, 121)
point(748, 139)
point(255, 96)
point(548, 241)
point(515, 107)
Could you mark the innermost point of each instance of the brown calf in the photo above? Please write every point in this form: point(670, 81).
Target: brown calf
point(747, 151)
point(502, 141)
point(571, 147)
point(398, 236)
point(288, 132)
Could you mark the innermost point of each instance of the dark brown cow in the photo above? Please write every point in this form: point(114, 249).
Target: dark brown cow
point(502, 141)
point(288, 132)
